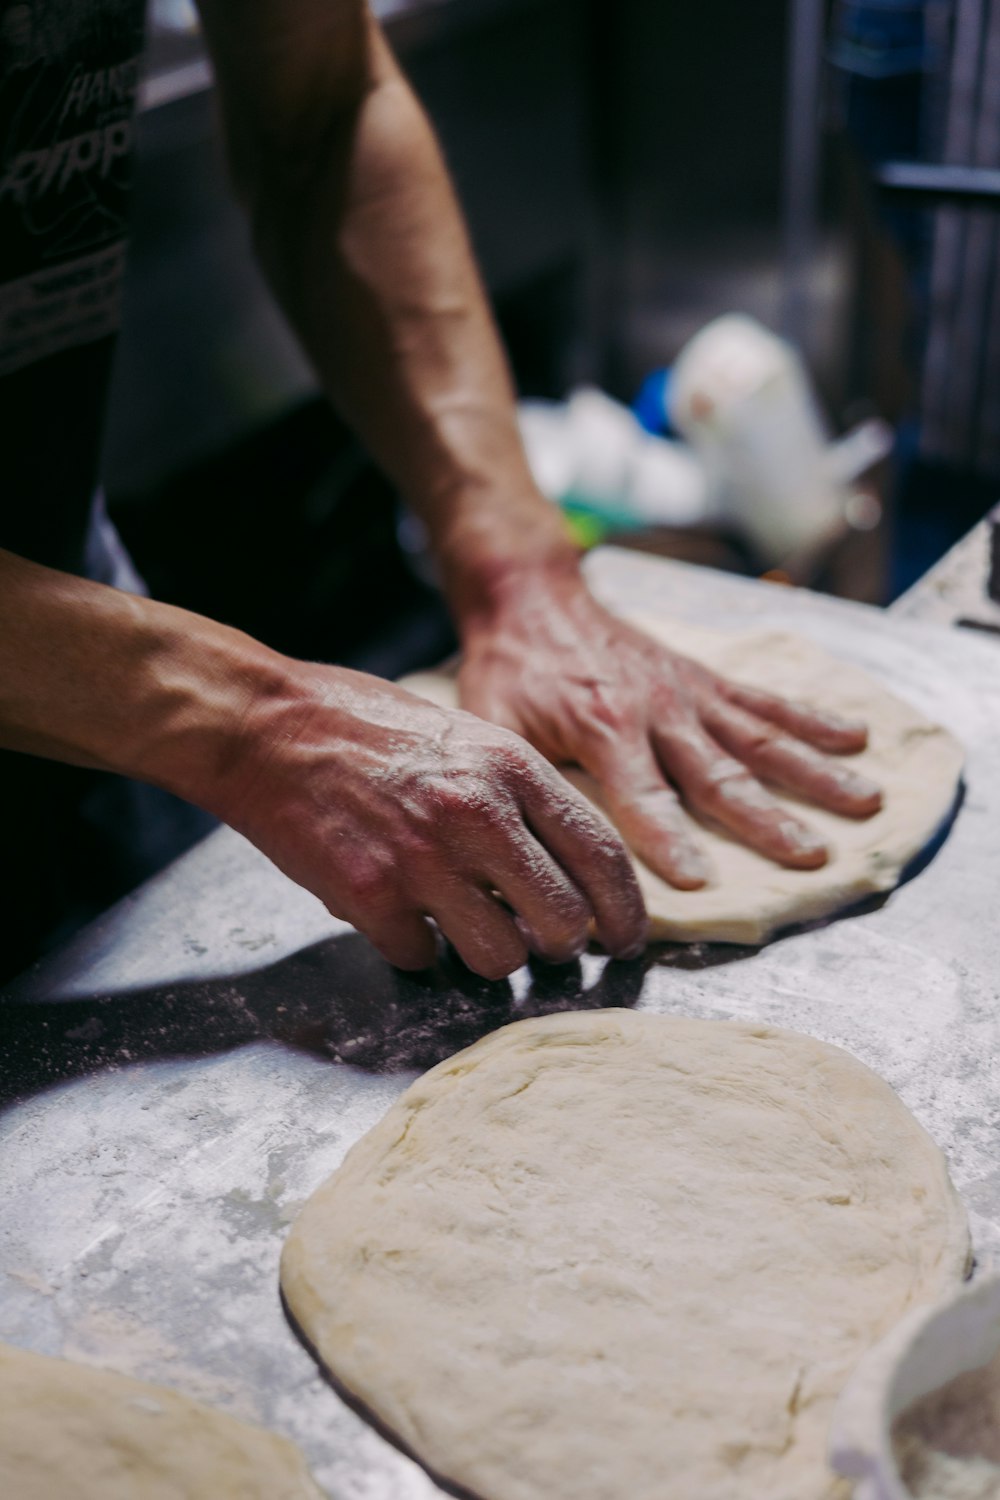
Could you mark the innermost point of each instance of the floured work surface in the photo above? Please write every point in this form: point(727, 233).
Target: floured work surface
point(222, 1042)
point(748, 898)
point(606, 1255)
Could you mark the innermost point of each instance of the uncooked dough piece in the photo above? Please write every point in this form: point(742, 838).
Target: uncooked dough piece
point(917, 763)
point(620, 1256)
point(68, 1430)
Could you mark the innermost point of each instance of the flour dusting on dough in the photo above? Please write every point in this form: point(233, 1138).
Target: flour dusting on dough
point(610, 1254)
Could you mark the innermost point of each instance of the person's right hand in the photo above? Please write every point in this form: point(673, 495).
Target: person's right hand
point(394, 811)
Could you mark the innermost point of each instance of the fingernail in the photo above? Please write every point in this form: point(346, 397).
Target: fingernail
point(838, 722)
point(855, 784)
point(691, 864)
point(689, 868)
point(803, 839)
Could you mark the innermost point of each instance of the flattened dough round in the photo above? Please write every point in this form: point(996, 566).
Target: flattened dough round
point(70, 1430)
point(917, 763)
point(603, 1255)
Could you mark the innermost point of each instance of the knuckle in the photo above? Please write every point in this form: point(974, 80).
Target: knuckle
point(738, 792)
point(420, 836)
point(455, 798)
point(509, 757)
point(482, 807)
point(564, 913)
point(720, 786)
point(572, 910)
point(418, 846)
point(682, 735)
point(500, 959)
point(452, 798)
point(608, 849)
point(565, 940)
point(370, 882)
point(606, 841)
point(607, 715)
point(758, 734)
point(713, 798)
point(658, 800)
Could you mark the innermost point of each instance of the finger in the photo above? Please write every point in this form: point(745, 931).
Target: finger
point(483, 935)
point(554, 914)
point(825, 731)
point(593, 856)
point(646, 810)
point(404, 938)
point(789, 763)
point(720, 787)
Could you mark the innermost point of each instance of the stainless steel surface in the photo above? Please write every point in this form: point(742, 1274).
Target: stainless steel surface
point(197, 1062)
point(954, 591)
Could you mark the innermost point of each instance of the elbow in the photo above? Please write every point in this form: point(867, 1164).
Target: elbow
point(287, 134)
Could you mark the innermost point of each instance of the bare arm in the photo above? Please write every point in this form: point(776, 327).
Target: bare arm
point(388, 809)
point(392, 811)
point(357, 224)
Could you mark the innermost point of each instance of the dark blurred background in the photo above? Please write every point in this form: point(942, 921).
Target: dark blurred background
point(630, 172)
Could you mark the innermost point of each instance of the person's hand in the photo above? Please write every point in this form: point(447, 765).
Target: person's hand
point(654, 727)
point(393, 811)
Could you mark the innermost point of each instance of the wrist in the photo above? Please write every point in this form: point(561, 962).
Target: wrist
point(190, 690)
point(102, 678)
point(163, 695)
point(222, 720)
point(490, 569)
point(287, 709)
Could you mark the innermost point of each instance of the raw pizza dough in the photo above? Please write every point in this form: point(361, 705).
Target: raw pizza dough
point(917, 763)
point(68, 1430)
point(620, 1256)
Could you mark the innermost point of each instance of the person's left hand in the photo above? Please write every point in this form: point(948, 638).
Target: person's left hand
point(655, 728)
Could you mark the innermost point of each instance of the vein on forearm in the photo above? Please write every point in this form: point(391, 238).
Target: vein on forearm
point(359, 231)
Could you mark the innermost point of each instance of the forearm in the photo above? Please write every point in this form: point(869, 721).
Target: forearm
point(389, 809)
point(364, 242)
point(101, 678)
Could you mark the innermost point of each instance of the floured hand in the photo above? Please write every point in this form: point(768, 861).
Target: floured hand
point(393, 811)
point(652, 727)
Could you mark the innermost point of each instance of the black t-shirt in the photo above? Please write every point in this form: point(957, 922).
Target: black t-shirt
point(74, 840)
point(68, 77)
